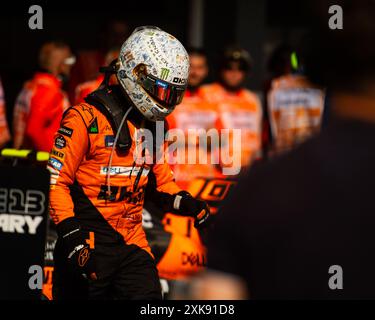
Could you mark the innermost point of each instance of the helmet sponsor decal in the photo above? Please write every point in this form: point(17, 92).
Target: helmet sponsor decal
point(164, 73)
point(179, 80)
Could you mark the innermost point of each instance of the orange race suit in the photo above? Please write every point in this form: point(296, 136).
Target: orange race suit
point(4, 131)
point(106, 200)
point(38, 111)
point(295, 109)
point(79, 168)
point(240, 109)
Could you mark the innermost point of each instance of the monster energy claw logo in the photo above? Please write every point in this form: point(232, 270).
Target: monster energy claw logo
point(164, 73)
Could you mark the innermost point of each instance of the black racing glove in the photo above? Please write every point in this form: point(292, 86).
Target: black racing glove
point(185, 204)
point(78, 252)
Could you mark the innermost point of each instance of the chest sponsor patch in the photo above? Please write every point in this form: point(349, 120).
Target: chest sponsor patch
point(57, 154)
point(93, 128)
point(124, 171)
point(56, 164)
point(60, 142)
point(107, 128)
point(66, 131)
point(108, 141)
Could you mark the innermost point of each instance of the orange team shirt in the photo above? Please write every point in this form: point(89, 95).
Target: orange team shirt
point(193, 114)
point(240, 110)
point(87, 87)
point(4, 131)
point(38, 111)
point(295, 108)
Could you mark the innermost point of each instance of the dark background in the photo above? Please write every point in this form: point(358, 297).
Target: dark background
point(257, 25)
point(15, 247)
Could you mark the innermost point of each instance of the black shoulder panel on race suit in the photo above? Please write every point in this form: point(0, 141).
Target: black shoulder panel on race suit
point(107, 100)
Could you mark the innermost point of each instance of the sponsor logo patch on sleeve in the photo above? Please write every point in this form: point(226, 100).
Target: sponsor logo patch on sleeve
point(60, 142)
point(57, 154)
point(66, 131)
point(54, 174)
point(56, 164)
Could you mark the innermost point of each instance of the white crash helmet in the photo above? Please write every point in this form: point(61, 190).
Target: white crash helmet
point(153, 69)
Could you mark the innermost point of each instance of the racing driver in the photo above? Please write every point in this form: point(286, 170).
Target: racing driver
point(98, 183)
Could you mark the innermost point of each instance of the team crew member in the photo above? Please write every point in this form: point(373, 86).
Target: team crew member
point(98, 177)
point(87, 87)
point(194, 113)
point(295, 108)
point(280, 63)
point(4, 131)
point(238, 107)
point(41, 103)
point(198, 71)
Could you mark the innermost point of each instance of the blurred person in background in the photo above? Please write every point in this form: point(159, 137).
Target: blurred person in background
point(90, 60)
point(40, 104)
point(85, 88)
point(198, 71)
point(314, 236)
point(4, 130)
point(194, 112)
point(294, 105)
point(237, 107)
point(185, 254)
point(279, 64)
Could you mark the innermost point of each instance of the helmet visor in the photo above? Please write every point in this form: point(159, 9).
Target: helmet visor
point(169, 95)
